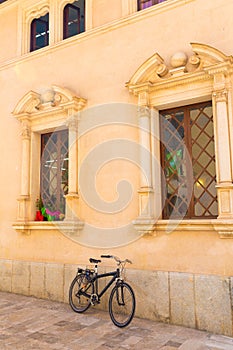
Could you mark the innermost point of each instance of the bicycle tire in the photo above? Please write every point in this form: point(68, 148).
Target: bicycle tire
point(80, 293)
point(122, 304)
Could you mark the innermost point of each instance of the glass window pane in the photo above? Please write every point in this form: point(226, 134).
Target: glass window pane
point(143, 4)
point(54, 172)
point(40, 32)
point(188, 130)
point(74, 18)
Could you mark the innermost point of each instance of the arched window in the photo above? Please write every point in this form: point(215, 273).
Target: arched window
point(143, 4)
point(74, 18)
point(39, 32)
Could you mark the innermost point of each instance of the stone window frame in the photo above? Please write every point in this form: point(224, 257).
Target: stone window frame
point(206, 74)
point(60, 9)
point(37, 113)
point(28, 14)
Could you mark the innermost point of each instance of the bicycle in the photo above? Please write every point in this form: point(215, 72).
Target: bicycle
point(84, 291)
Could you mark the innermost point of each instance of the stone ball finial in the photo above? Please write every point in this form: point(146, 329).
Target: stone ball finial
point(47, 96)
point(179, 59)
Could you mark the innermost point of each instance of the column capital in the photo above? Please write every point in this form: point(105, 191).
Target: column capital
point(26, 131)
point(72, 122)
point(220, 95)
point(144, 111)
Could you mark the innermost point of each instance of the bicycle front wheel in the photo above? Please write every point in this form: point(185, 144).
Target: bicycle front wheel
point(80, 293)
point(122, 304)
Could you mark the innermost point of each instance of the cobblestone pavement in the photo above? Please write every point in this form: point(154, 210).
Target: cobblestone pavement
point(28, 323)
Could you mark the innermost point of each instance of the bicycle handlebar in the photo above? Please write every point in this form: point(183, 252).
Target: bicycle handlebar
point(119, 261)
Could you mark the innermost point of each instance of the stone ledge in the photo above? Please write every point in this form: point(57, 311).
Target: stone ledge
point(70, 227)
point(223, 227)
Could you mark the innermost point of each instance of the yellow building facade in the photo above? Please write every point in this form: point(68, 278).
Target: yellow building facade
point(116, 126)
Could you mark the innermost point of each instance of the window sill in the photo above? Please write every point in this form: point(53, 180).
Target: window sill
point(223, 227)
point(66, 227)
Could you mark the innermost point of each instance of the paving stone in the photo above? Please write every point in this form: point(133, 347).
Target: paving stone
point(35, 324)
point(193, 344)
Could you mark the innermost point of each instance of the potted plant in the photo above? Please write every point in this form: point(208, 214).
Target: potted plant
point(39, 206)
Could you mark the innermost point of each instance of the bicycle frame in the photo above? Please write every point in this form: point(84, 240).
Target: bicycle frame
point(115, 274)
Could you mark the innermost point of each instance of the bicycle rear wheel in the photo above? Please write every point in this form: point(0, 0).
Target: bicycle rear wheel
point(122, 304)
point(80, 293)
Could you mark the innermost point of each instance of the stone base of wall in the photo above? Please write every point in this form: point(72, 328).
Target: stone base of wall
point(197, 301)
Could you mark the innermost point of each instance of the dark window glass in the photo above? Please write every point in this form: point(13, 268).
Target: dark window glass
point(143, 4)
point(74, 19)
point(54, 170)
point(39, 32)
point(1, 1)
point(188, 162)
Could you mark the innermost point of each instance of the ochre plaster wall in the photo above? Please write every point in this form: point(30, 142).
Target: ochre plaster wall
point(96, 66)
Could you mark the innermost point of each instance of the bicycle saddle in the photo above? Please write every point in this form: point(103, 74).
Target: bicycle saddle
point(94, 261)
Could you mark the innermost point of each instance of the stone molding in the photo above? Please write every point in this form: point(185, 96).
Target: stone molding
point(66, 227)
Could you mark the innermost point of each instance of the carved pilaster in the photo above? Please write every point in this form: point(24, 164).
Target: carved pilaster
point(145, 222)
point(23, 208)
point(222, 145)
point(23, 200)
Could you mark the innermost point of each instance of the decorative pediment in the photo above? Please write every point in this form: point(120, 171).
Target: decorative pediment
point(28, 103)
point(209, 56)
point(55, 98)
point(154, 71)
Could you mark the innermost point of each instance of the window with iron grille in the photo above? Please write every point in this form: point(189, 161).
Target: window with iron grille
point(143, 4)
point(39, 32)
point(188, 162)
point(74, 19)
point(54, 170)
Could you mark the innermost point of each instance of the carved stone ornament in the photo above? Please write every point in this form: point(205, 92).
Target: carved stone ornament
point(155, 70)
point(57, 97)
point(26, 131)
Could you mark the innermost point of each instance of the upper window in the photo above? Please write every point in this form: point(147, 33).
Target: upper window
point(39, 32)
point(188, 162)
point(74, 18)
point(143, 4)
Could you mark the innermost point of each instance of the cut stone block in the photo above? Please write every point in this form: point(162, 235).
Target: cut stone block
point(20, 277)
point(37, 280)
point(213, 304)
point(5, 275)
point(54, 282)
point(151, 291)
point(182, 299)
